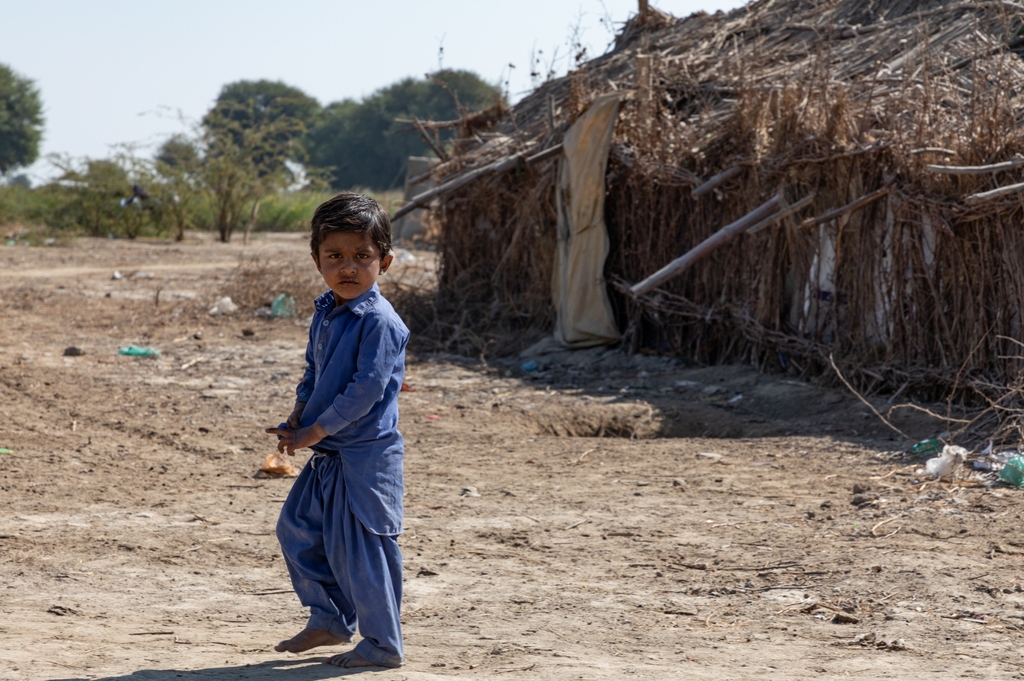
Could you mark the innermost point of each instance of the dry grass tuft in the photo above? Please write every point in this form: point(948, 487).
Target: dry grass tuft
point(257, 281)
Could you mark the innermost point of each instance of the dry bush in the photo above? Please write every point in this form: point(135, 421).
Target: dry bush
point(257, 281)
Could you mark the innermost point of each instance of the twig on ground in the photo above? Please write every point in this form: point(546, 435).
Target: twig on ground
point(515, 669)
point(887, 520)
point(583, 455)
point(574, 525)
point(862, 399)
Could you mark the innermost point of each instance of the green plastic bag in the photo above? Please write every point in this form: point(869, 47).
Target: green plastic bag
point(137, 351)
point(1013, 471)
point(283, 306)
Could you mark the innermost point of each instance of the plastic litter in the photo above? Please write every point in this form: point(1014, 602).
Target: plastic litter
point(1013, 471)
point(942, 465)
point(224, 306)
point(530, 366)
point(142, 275)
point(283, 306)
point(276, 466)
point(405, 256)
point(116, 275)
point(1002, 457)
point(930, 446)
point(72, 351)
point(139, 351)
point(4, 450)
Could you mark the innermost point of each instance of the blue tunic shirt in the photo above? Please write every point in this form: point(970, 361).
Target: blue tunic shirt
point(355, 362)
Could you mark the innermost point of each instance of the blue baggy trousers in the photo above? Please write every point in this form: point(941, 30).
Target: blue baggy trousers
point(346, 575)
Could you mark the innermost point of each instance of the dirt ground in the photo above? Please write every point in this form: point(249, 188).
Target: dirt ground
point(603, 517)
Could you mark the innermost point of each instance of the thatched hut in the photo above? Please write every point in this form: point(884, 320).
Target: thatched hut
point(889, 131)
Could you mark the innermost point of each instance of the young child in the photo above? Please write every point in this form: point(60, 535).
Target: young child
point(339, 526)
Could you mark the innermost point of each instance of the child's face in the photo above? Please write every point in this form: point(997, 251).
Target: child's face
point(350, 264)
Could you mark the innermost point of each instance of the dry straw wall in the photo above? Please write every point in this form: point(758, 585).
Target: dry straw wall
point(839, 100)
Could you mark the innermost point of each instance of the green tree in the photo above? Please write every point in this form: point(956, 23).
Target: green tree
point(246, 158)
point(248, 104)
point(21, 120)
point(178, 187)
point(96, 187)
point(360, 144)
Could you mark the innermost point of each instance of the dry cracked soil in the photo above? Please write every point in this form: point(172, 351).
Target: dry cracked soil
point(604, 517)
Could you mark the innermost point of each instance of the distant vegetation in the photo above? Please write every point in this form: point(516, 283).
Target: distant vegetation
point(359, 143)
point(21, 120)
point(262, 158)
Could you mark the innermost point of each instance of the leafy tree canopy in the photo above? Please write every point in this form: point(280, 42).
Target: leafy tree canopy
point(257, 101)
point(178, 152)
point(21, 120)
point(360, 143)
point(281, 114)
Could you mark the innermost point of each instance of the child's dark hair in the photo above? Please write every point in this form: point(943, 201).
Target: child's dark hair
point(351, 212)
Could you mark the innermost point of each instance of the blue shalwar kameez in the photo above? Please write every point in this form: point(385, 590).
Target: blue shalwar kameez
point(339, 526)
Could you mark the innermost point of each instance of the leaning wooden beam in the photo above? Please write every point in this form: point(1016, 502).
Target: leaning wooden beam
point(1002, 191)
point(976, 170)
point(848, 208)
point(499, 166)
point(722, 236)
point(430, 125)
point(434, 143)
point(932, 150)
point(771, 219)
point(416, 179)
point(718, 179)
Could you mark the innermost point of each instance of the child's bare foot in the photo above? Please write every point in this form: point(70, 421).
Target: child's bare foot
point(309, 638)
point(349, 660)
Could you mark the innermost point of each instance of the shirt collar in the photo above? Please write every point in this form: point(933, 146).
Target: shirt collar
point(359, 305)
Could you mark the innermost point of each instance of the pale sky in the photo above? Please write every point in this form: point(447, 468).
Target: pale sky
point(119, 71)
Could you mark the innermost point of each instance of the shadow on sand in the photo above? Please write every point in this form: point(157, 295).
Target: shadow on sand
point(307, 669)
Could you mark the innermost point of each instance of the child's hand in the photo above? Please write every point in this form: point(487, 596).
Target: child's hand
point(296, 416)
point(291, 440)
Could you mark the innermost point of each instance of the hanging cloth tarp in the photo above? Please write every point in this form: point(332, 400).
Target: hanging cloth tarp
point(583, 312)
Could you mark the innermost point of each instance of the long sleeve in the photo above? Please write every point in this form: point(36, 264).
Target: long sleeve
point(380, 346)
point(304, 389)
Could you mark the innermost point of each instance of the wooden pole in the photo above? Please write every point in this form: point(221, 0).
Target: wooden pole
point(1002, 191)
point(975, 170)
point(643, 11)
point(704, 248)
point(252, 221)
point(781, 214)
point(438, 149)
point(848, 208)
point(499, 166)
point(716, 180)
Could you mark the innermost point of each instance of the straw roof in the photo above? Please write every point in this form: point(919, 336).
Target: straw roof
point(871, 50)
